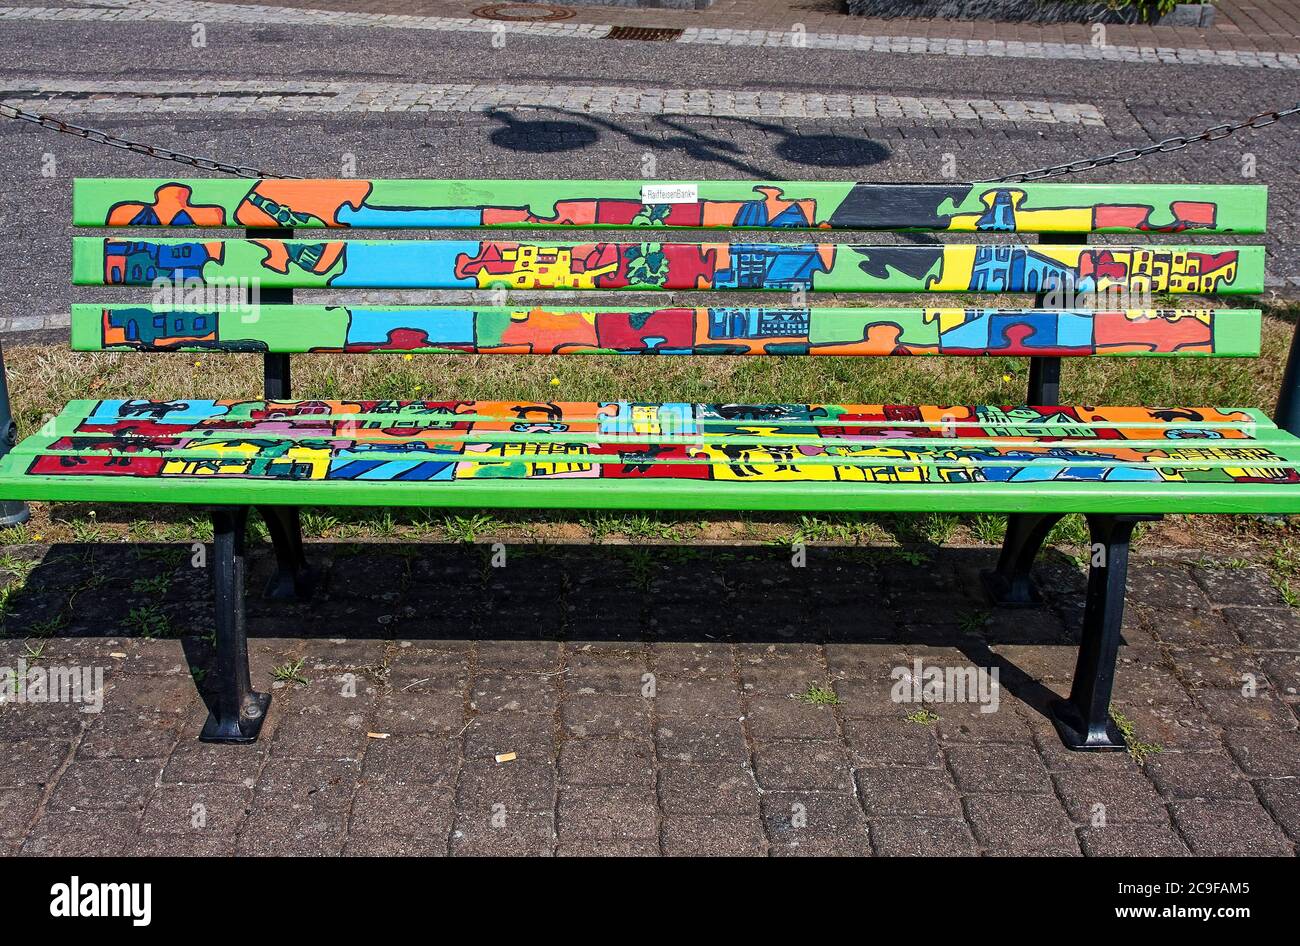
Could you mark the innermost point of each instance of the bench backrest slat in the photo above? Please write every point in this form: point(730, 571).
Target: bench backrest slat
point(785, 267)
point(715, 330)
point(799, 205)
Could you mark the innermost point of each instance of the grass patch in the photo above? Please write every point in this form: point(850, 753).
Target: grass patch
point(1140, 751)
point(290, 672)
point(922, 717)
point(818, 695)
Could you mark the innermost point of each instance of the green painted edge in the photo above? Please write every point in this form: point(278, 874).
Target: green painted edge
point(668, 495)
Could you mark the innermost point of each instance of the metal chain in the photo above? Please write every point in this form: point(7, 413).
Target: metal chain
point(1176, 143)
point(153, 151)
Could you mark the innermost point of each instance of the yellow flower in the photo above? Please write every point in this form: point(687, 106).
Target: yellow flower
point(39, 538)
point(407, 357)
point(1006, 377)
point(198, 364)
point(555, 382)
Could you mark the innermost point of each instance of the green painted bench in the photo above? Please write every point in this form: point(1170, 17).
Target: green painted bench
point(1037, 461)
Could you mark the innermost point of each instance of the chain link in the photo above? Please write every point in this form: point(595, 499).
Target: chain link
point(1177, 143)
point(138, 147)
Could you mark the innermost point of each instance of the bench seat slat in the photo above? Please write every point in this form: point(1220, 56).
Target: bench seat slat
point(716, 330)
point(1034, 207)
point(786, 267)
point(630, 451)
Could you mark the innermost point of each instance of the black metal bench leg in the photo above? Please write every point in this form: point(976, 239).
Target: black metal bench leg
point(293, 578)
point(239, 711)
point(1010, 583)
point(1083, 721)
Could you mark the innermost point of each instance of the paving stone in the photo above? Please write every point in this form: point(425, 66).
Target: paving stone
point(884, 741)
point(206, 762)
point(1265, 754)
point(1243, 586)
point(541, 656)
point(904, 791)
point(1265, 628)
point(1217, 667)
point(724, 789)
point(700, 739)
point(82, 833)
point(601, 714)
point(921, 837)
point(429, 712)
point(784, 718)
point(997, 768)
point(18, 806)
point(503, 833)
point(713, 836)
point(1283, 671)
point(218, 809)
point(692, 659)
point(815, 823)
point(616, 847)
point(328, 784)
point(528, 736)
point(1165, 588)
point(605, 814)
point(1132, 840)
point(970, 724)
point(321, 736)
point(1117, 797)
point(1281, 797)
point(361, 844)
point(607, 762)
point(1171, 726)
point(1187, 775)
point(512, 691)
point(1233, 710)
point(1216, 828)
point(697, 695)
point(416, 811)
point(292, 830)
point(802, 764)
point(410, 757)
point(519, 786)
point(1189, 628)
point(133, 736)
point(107, 783)
point(194, 844)
point(1017, 823)
point(32, 762)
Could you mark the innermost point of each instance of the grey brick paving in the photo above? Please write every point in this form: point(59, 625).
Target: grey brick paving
point(719, 759)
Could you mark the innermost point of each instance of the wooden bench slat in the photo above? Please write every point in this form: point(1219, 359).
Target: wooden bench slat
point(828, 267)
point(97, 416)
point(716, 330)
point(533, 444)
point(1035, 207)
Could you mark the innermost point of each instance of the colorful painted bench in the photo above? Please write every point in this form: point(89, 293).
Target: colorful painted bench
point(1035, 462)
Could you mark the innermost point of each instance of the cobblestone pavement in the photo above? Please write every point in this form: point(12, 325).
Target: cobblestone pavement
point(271, 96)
point(646, 694)
point(765, 23)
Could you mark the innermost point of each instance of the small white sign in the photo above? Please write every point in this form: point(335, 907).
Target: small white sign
point(669, 194)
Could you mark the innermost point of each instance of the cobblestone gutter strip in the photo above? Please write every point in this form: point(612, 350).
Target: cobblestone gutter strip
point(65, 96)
point(192, 11)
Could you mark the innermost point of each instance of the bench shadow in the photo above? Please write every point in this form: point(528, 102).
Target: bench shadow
point(909, 598)
point(559, 130)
